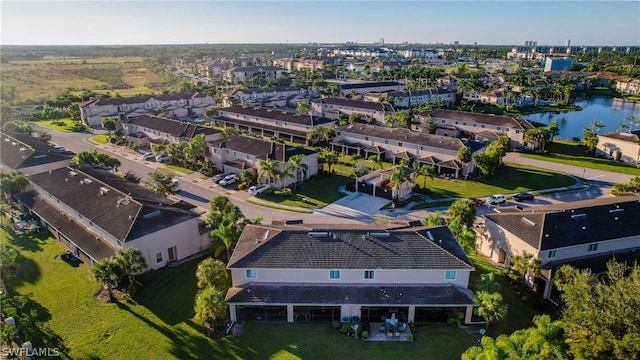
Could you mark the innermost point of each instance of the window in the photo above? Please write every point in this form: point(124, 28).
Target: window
point(483, 126)
point(498, 128)
point(593, 247)
point(334, 274)
point(248, 157)
point(366, 138)
point(399, 144)
point(386, 141)
point(450, 275)
point(251, 274)
point(517, 131)
point(369, 274)
point(552, 254)
point(158, 257)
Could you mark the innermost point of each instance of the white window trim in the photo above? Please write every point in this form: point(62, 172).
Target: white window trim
point(335, 278)
point(161, 257)
point(455, 274)
point(253, 271)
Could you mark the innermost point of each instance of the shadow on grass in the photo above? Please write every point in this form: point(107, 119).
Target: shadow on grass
point(24, 271)
point(27, 242)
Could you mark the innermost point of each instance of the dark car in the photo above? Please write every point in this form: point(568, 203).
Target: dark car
point(523, 196)
point(477, 202)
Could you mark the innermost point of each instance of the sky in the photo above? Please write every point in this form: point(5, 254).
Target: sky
point(121, 22)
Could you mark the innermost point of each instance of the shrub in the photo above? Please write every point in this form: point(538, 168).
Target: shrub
point(283, 192)
point(365, 334)
point(242, 186)
point(268, 192)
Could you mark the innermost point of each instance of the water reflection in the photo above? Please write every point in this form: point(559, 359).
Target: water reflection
point(610, 111)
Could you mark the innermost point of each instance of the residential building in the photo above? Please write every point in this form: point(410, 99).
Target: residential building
point(397, 143)
point(363, 87)
point(563, 233)
point(377, 183)
point(629, 86)
point(149, 130)
point(237, 153)
point(278, 97)
point(172, 105)
point(93, 213)
point(624, 146)
point(271, 122)
point(247, 74)
point(29, 155)
point(333, 273)
point(479, 124)
point(408, 98)
point(493, 97)
point(331, 108)
point(557, 64)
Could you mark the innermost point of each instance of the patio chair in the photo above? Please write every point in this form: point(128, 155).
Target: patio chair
point(382, 328)
point(402, 327)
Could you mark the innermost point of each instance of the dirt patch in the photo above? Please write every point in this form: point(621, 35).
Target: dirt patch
point(103, 296)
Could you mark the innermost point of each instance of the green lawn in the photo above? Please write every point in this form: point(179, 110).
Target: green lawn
point(99, 139)
point(570, 153)
point(319, 192)
point(180, 169)
point(68, 127)
point(512, 178)
point(158, 324)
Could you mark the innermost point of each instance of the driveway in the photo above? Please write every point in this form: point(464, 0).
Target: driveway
point(355, 206)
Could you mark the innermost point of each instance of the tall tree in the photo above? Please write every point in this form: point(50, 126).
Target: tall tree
point(464, 154)
point(299, 168)
point(554, 130)
point(376, 160)
point(160, 181)
point(488, 283)
point(11, 183)
point(330, 158)
point(214, 272)
point(525, 264)
point(108, 272)
point(490, 306)
point(268, 170)
point(131, 262)
point(427, 171)
point(226, 236)
point(399, 177)
point(210, 305)
point(462, 211)
point(110, 124)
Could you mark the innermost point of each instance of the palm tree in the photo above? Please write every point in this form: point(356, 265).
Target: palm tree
point(286, 173)
point(226, 236)
point(428, 171)
point(400, 176)
point(110, 124)
point(633, 121)
point(132, 262)
point(298, 167)
point(108, 272)
point(11, 183)
point(487, 283)
point(210, 304)
point(214, 272)
point(268, 169)
point(524, 264)
point(330, 158)
point(376, 160)
point(490, 306)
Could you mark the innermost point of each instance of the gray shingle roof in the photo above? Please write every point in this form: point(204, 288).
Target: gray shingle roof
point(575, 223)
point(410, 137)
point(273, 114)
point(632, 136)
point(141, 99)
point(172, 127)
point(19, 151)
point(489, 119)
point(260, 148)
point(356, 247)
point(357, 104)
point(364, 85)
point(291, 293)
point(126, 210)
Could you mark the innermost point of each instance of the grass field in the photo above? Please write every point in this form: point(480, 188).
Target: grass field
point(41, 79)
point(570, 153)
point(319, 192)
point(159, 324)
point(68, 127)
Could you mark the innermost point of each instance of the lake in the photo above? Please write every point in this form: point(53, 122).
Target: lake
point(610, 111)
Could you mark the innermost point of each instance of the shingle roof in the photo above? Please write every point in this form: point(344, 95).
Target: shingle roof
point(434, 91)
point(364, 85)
point(597, 264)
point(140, 99)
point(632, 136)
point(292, 293)
point(263, 126)
point(255, 68)
point(575, 223)
point(273, 114)
point(126, 210)
point(357, 104)
point(259, 148)
point(172, 127)
point(489, 119)
point(19, 151)
point(356, 247)
point(408, 136)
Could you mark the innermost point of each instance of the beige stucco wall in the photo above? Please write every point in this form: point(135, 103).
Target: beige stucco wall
point(630, 151)
point(350, 276)
point(496, 238)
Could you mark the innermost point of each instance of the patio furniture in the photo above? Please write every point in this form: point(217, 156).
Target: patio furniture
point(402, 327)
point(382, 328)
point(396, 333)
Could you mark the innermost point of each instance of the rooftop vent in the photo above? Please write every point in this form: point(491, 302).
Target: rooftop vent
point(528, 221)
point(613, 211)
point(579, 216)
point(73, 173)
point(266, 235)
point(430, 236)
point(318, 234)
point(87, 181)
point(103, 190)
point(381, 234)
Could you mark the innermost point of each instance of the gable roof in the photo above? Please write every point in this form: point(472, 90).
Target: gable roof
point(272, 114)
point(259, 148)
point(575, 223)
point(412, 137)
point(489, 119)
point(631, 136)
point(174, 128)
point(140, 99)
point(19, 151)
point(353, 247)
point(123, 209)
point(364, 85)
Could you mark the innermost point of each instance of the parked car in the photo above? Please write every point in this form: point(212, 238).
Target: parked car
point(218, 177)
point(148, 156)
point(228, 180)
point(199, 120)
point(496, 199)
point(477, 202)
point(163, 157)
point(523, 196)
point(60, 148)
point(259, 189)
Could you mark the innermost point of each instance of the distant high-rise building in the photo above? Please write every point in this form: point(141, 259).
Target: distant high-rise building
point(558, 64)
point(569, 43)
point(382, 40)
point(456, 42)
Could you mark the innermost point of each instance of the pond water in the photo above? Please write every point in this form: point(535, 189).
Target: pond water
point(610, 111)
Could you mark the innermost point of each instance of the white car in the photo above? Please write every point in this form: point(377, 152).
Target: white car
point(163, 157)
point(148, 156)
point(176, 185)
point(255, 190)
point(218, 177)
point(229, 180)
point(199, 120)
point(496, 199)
point(60, 148)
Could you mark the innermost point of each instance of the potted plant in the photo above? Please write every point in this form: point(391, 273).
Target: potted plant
point(365, 334)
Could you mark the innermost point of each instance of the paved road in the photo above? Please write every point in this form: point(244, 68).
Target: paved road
point(199, 192)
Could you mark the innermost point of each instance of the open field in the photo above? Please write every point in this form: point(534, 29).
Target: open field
point(570, 153)
point(41, 79)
